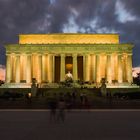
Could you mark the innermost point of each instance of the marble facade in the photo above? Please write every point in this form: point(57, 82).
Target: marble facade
point(90, 57)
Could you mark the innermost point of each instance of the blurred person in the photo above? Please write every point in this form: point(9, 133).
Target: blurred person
point(61, 109)
point(53, 107)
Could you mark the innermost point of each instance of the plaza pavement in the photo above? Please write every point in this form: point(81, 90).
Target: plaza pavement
point(104, 124)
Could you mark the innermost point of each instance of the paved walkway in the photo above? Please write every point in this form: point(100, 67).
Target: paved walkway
point(79, 125)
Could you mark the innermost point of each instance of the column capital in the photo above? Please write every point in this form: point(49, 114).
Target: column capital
point(109, 53)
point(120, 53)
point(62, 55)
point(44, 53)
point(74, 55)
point(52, 53)
point(28, 54)
point(17, 54)
point(86, 54)
point(97, 54)
point(39, 54)
point(8, 54)
point(129, 54)
point(92, 53)
point(34, 53)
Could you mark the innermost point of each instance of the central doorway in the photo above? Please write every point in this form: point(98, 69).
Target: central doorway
point(68, 67)
point(68, 64)
point(57, 69)
point(80, 67)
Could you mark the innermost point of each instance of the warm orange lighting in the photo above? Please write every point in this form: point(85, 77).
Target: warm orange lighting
point(69, 39)
point(23, 67)
point(29, 95)
point(69, 67)
point(103, 66)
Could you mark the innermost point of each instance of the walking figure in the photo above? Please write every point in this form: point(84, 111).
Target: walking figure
point(81, 97)
point(53, 106)
point(61, 110)
point(28, 98)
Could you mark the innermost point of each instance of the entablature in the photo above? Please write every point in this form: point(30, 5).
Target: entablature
point(69, 48)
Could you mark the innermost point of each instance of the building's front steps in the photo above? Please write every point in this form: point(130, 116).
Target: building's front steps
point(72, 85)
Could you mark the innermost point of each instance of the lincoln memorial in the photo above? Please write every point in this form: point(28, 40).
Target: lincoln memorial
point(89, 57)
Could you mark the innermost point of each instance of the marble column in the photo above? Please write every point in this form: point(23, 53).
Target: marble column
point(8, 68)
point(25, 67)
point(44, 67)
point(29, 68)
point(98, 75)
point(129, 68)
point(75, 74)
point(87, 67)
point(84, 70)
point(12, 68)
point(116, 67)
point(62, 67)
point(50, 68)
point(103, 63)
point(17, 69)
point(109, 69)
point(39, 75)
point(124, 70)
point(93, 67)
point(120, 72)
point(34, 65)
point(53, 68)
point(113, 66)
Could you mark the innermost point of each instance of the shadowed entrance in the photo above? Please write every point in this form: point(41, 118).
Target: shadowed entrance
point(68, 64)
point(80, 67)
point(57, 69)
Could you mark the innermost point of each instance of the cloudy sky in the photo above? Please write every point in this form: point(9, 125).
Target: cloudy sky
point(84, 16)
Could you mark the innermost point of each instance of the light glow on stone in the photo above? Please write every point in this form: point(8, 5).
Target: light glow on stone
point(69, 38)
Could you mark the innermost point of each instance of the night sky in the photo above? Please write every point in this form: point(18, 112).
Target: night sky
point(70, 16)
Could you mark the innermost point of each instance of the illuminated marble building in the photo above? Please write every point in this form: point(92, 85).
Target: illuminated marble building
point(89, 57)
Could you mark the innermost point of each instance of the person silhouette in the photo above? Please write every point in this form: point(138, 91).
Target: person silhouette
point(53, 106)
point(61, 109)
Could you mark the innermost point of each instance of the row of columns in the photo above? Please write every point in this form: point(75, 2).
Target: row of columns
point(24, 67)
point(117, 67)
point(42, 67)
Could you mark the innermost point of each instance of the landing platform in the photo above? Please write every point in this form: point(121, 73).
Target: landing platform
point(57, 88)
point(72, 85)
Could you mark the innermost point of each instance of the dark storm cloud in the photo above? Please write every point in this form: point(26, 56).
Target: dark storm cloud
point(130, 31)
point(82, 11)
point(19, 16)
point(106, 15)
point(52, 16)
point(132, 6)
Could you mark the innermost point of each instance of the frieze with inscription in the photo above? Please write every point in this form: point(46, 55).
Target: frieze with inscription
point(64, 48)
